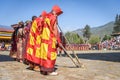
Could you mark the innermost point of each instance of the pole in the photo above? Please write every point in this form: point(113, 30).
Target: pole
point(76, 57)
point(68, 55)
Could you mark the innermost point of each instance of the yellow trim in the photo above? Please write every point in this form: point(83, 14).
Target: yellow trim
point(53, 55)
point(43, 51)
point(46, 33)
point(6, 32)
point(5, 37)
point(34, 26)
point(37, 52)
point(30, 51)
point(47, 20)
point(31, 39)
point(53, 42)
point(38, 40)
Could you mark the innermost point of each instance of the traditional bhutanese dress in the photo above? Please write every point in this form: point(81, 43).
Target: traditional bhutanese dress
point(34, 41)
point(41, 46)
point(13, 45)
point(49, 39)
point(26, 33)
point(20, 41)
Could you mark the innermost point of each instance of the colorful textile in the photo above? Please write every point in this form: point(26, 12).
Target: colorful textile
point(13, 45)
point(20, 40)
point(26, 33)
point(34, 41)
point(41, 47)
point(50, 38)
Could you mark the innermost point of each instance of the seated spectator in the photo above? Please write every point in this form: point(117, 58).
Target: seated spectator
point(2, 45)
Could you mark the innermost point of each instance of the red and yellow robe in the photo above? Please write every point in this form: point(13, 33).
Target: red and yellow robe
point(50, 37)
point(34, 41)
point(41, 46)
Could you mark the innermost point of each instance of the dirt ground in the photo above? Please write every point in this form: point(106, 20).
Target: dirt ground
point(98, 65)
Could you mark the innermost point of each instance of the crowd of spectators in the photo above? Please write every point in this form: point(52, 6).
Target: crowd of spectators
point(113, 44)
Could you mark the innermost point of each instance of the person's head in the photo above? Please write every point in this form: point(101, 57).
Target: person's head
point(56, 10)
point(27, 22)
point(21, 24)
point(34, 17)
point(14, 26)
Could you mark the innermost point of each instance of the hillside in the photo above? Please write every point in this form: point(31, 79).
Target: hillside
point(100, 30)
point(5, 28)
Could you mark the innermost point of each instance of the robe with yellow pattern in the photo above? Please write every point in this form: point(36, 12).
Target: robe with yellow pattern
point(34, 41)
point(41, 46)
point(50, 37)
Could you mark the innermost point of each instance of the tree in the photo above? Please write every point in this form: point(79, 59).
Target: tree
point(106, 37)
point(68, 36)
point(94, 39)
point(77, 39)
point(73, 38)
point(116, 27)
point(86, 32)
point(116, 18)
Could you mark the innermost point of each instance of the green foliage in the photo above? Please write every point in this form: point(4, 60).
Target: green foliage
point(67, 35)
point(74, 38)
point(94, 40)
point(86, 32)
point(116, 27)
point(106, 37)
point(100, 30)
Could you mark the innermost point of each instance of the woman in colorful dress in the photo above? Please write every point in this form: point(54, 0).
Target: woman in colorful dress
point(20, 41)
point(13, 51)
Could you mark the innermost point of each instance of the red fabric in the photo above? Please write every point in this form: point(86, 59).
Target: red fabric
point(32, 57)
point(53, 24)
point(57, 9)
point(48, 65)
point(44, 13)
point(14, 44)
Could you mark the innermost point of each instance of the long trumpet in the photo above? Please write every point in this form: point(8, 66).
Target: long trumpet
point(78, 64)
